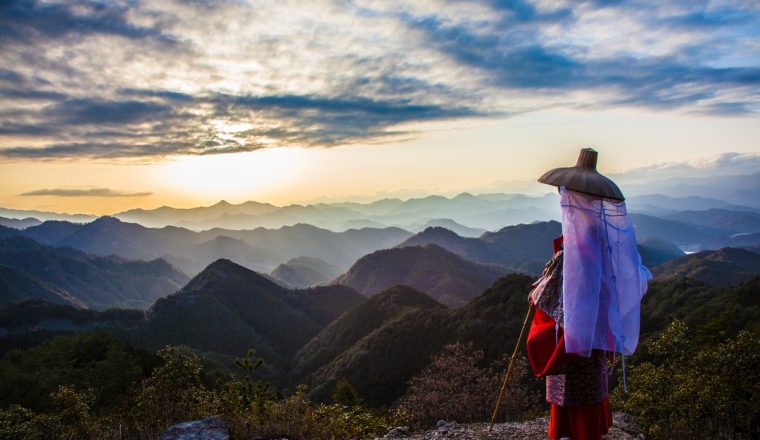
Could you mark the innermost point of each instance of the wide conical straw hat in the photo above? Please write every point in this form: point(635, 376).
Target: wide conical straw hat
point(584, 177)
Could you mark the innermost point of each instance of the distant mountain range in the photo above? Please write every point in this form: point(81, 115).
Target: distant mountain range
point(305, 271)
point(226, 309)
point(526, 248)
point(738, 222)
point(320, 335)
point(523, 248)
point(45, 215)
point(662, 205)
point(17, 285)
point(412, 214)
point(17, 223)
point(432, 269)
point(739, 190)
point(655, 251)
point(68, 276)
point(467, 214)
point(260, 249)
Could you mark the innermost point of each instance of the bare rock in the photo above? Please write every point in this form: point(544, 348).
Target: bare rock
point(623, 429)
point(210, 428)
point(398, 432)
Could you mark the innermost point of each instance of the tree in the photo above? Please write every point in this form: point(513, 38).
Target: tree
point(345, 394)
point(174, 392)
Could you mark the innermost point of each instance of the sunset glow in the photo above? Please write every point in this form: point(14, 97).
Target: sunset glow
point(186, 103)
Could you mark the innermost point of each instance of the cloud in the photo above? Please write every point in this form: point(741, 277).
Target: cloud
point(155, 79)
point(730, 163)
point(97, 112)
point(170, 128)
point(86, 192)
point(654, 82)
point(30, 19)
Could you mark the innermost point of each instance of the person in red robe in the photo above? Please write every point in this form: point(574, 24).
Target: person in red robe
point(576, 386)
point(602, 313)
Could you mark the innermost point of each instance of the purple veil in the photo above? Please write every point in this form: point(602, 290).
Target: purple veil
point(603, 278)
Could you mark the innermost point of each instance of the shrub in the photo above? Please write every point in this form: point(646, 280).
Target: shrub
point(692, 391)
point(345, 394)
point(173, 393)
point(19, 423)
point(455, 386)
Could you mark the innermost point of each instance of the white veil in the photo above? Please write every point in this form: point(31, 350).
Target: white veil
point(603, 278)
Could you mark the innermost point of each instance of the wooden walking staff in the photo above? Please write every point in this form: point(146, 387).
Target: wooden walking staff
point(511, 363)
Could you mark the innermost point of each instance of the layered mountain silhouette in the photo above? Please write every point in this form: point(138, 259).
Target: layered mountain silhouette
point(683, 234)
point(259, 249)
point(17, 285)
point(722, 267)
point(305, 272)
point(26, 323)
point(228, 309)
point(477, 212)
point(69, 276)
point(302, 240)
point(739, 190)
point(655, 251)
point(44, 215)
point(166, 215)
point(432, 269)
point(659, 204)
point(729, 220)
point(381, 344)
point(323, 334)
point(525, 248)
point(195, 257)
point(338, 338)
point(19, 223)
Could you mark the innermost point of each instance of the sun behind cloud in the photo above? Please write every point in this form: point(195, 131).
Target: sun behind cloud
point(233, 175)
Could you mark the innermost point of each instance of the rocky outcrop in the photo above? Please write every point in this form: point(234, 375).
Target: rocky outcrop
point(623, 429)
point(210, 428)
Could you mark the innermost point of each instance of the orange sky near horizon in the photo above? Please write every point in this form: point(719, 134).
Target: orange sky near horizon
point(444, 159)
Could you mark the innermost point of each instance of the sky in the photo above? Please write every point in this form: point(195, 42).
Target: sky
point(106, 106)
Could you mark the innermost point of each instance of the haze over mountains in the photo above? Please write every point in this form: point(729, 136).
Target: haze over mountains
point(451, 250)
point(444, 276)
point(318, 336)
point(72, 277)
point(467, 214)
point(260, 249)
point(371, 303)
point(449, 247)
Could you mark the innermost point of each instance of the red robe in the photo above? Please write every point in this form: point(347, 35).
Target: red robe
point(546, 353)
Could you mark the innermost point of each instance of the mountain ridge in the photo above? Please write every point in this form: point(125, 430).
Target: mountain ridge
point(430, 268)
point(95, 281)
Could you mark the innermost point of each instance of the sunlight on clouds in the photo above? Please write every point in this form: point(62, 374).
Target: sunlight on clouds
point(233, 175)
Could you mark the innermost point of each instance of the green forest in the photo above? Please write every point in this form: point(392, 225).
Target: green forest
point(695, 375)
